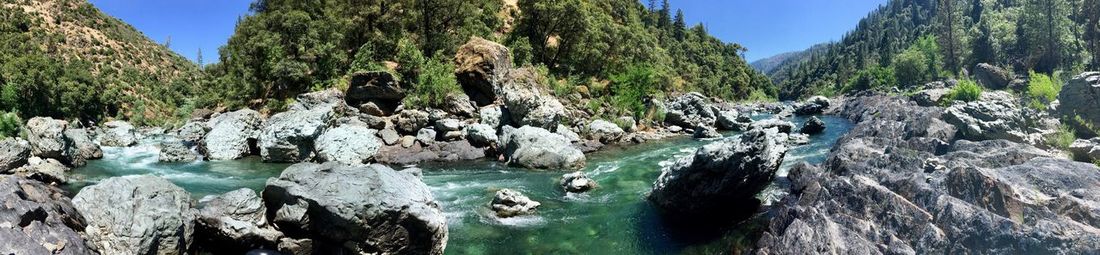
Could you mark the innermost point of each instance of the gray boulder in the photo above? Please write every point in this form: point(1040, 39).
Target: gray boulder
point(538, 148)
point(289, 136)
point(510, 203)
point(732, 121)
point(232, 135)
point(704, 132)
point(577, 182)
point(1087, 150)
point(118, 134)
point(13, 154)
point(813, 126)
point(992, 77)
point(720, 178)
point(46, 137)
point(930, 97)
point(411, 121)
point(379, 89)
point(604, 131)
point(448, 125)
point(481, 135)
point(426, 136)
point(493, 115)
point(1080, 97)
point(348, 144)
point(528, 102)
point(47, 170)
point(568, 133)
point(38, 219)
point(136, 215)
point(813, 106)
point(459, 105)
point(783, 126)
point(235, 222)
point(356, 209)
point(479, 66)
point(174, 150)
point(690, 110)
point(995, 116)
point(389, 136)
point(193, 132)
point(325, 100)
point(80, 147)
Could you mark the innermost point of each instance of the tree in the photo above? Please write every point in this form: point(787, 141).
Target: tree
point(1090, 12)
point(1042, 31)
point(679, 26)
point(950, 33)
point(982, 46)
point(664, 17)
point(198, 58)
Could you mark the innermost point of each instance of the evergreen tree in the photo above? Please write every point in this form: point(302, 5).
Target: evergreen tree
point(1090, 13)
point(664, 16)
point(982, 46)
point(950, 33)
point(1041, 31)
point(198, 58)
point(680, 25)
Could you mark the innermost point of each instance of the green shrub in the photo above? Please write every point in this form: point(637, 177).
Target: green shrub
point(10, 124)
point(435, 82)
point(759, 95)
point(1062, 138)
point(966, 91)
point(875, 78)
point(918, 64)
point(1042, 90)
point(630, 88)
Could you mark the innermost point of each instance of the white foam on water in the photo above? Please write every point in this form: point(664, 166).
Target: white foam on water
point(517, 221)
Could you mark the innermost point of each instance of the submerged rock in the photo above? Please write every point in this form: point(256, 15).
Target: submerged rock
point(235, 222)
point(118, 134)
point(232, 135)
point(13, 154)
point(534, 147)
point(510, 203)
point(577, 182)
point(721, 178)
point(360, 209)
point(348, 144)
point(36, 218)
point(136, 215)
point(813, 126)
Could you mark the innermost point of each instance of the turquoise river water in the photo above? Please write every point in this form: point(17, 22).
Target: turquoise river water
point(612, 219)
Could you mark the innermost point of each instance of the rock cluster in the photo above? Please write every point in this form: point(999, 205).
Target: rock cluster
point(538, 148)
point(510, 203)
point(136, 215)
point(50, 138)
point(997, 115)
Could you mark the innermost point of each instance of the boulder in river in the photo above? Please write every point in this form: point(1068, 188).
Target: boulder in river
point(356, 209)
point(348, 144)
point(479, 66)
point(721, 178)
point(13, 154)
point(783, 126)
point(814, 105)
point(289, 136)
point(481, 135)
point(175, 150)
point(36, 218)
point(604, 131)
point(46, 137)
point(232, 135)
point(702, 132)
point(731, 120)
point(577, 182)
point(81, 148)
point(510, 203)
point(136, 215)
point(193, 132)
point(118, 134)
point(528, 102)
point(690, 110)
point(1079, 98)
point(813, 126)
point(534, 147)
point(235, 222)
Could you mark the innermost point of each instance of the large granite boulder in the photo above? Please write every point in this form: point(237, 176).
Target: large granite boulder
point(995, 116)
point(528, 101)
point(784, 126)
point(377, 88)
point(356, 209)
point(193, 132)
point(705, 132)
point(733, 121)
point(1080, 97)
point(481, 135)
point(720, 179)
point(411, 121)
point(175, 150)
point(46, 170)
point(232, 135)
point(604, 131)
point(479, 66)
point(324, 100)
point(348, 144)
point(534, 147)
point(136, 215)
point(47, 137)
point(414, 153)
point(13, 154)
point(813, 106)
point(991, 76)
point(691, 110)
point(235, 222)
point(80, 147)
point(289, 136)
point(510, 203)
point(118, 134)
point(36, 218)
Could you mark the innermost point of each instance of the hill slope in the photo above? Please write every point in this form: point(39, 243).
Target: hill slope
point(65, 58)
point(770, 64)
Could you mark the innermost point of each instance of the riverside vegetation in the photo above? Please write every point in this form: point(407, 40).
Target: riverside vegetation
point(606, 127)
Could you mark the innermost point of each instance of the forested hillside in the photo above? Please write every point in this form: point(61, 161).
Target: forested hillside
point(910, 42)
point(66, 59)
point(768, 65)
point(287, 47)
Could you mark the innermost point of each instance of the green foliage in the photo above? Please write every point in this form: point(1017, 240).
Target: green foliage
point(10, 124)
point(435, 81)
point(630, 88)
point(875, 78)
point(1062, 138)
point(1042, 90)
point(919, 64)
point(966, 91)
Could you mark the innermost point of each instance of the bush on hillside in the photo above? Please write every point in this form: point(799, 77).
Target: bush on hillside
point(875, 78)
point(966, 91)
point(435, 81)
point(10, 124)
point(630, 88)
point(1042, 90)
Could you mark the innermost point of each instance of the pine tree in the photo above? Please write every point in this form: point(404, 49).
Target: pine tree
point(680, 25)
point(950, 33)
point(1041, 31)
point(198, 58)
point(982, 46)
point(1090, 13)
point(664, 19)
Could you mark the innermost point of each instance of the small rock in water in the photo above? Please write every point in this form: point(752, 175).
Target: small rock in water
point(577, 182)
point(813, 126)
point(510, 203)
point(706, 132)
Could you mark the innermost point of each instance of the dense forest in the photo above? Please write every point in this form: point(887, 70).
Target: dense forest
point(288, 47)
point(910, 42)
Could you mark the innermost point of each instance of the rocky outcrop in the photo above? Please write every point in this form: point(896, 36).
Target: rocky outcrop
point(174, 150)
point(365, 209)
point(493, 115)
point(289, 136)
point(783, 126)
point(118, 134)
point(813, 106)
point(136, 215)
point(604, 131)
point(691, 110)
point(1080, 97)
point(577, 182)
point(1086, 150)
point(13, 154)
point(731, 120)
point(46, 137)
point(348, 144)
point(703, 132)
point(193, 132)
point(36, 218)
point(813, 126)
point(992, 77)
point(510, 203)
point(527, 101)
point(930, 97)
point(719, 179)
point(899, 182)
point(995, 116)
point(378, 89)
point(46, 170)
point(414, 152)
point(232, 135)
point(235, 222)
point(538, 148)
point(479, 66)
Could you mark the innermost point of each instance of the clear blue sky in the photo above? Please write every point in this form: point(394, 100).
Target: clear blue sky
point(766, 27)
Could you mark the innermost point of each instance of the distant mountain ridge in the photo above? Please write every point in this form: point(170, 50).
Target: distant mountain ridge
point(770, 64)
